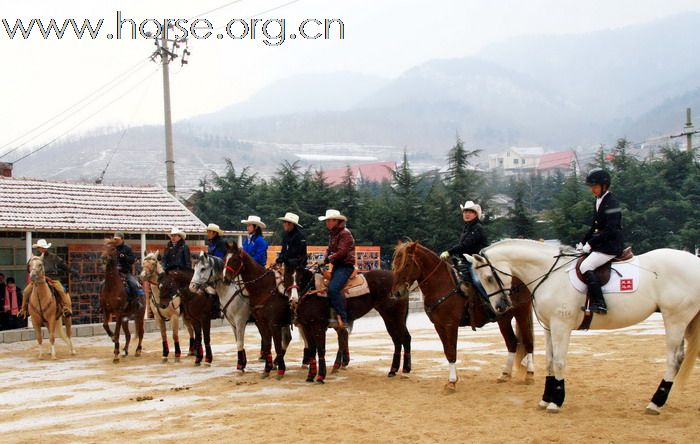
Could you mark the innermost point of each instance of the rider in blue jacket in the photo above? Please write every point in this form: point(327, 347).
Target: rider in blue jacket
point(255, 244)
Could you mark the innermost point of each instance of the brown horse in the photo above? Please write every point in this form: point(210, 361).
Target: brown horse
point(170, 311)
point(43, 309)
point(196, 306)
point(313, 313)
point(115, 303)
point(446, 305)
point(270, 308)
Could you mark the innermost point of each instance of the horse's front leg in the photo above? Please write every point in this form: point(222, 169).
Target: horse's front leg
point(175, 325)
point(163, 335)
point(448, 337)
point(199, 353)
point(127, 336)
point(555, 391)
point(115, 338)
point(674, 359)
point(36, 323)
point(140, 330)
point(190, 331)
point(51, 326)
point(321, 349)
point(280, 351)
point(506, 327)
point(240, 317)
point(206, 327)
point(306, 357)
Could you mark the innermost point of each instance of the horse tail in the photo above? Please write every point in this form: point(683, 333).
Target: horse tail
point(692, 351)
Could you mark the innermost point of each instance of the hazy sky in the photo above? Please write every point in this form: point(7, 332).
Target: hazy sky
point(40, 78)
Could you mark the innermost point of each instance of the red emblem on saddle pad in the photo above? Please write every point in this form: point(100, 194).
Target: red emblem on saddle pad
point(626, 284)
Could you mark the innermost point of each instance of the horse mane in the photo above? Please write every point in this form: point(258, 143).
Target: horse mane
point(400, 258)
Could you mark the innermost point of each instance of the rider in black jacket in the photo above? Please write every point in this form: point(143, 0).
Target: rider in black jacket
point(293, 254)
point(177, 253)
point(472, 240)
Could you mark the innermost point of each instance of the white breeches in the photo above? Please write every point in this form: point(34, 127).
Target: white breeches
point(595, 260)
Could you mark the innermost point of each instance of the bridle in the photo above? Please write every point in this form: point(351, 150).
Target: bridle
point(508, 291)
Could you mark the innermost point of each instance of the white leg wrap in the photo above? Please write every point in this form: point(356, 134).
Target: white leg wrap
point(453, 372)
point(529, 362)
point(508, 368)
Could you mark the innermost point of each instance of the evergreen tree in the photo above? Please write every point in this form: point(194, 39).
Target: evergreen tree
point(463, 182)
point(522, 224)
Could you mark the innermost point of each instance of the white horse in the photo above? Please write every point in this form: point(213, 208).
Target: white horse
point(235, 305)
point(667, 281)
point(172, 312)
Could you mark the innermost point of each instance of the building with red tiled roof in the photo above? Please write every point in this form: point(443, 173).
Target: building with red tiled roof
point(563, 161)
point(363, 173)
point(76, 218)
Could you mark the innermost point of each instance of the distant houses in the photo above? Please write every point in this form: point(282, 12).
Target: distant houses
point(526, 160)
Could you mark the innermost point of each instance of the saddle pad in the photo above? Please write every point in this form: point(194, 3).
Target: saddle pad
point(356, 286)
point(624, 278)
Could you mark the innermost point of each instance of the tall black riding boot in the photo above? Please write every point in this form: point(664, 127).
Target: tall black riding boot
point(595, 294)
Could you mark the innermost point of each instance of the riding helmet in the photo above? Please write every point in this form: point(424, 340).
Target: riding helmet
point(598, 176)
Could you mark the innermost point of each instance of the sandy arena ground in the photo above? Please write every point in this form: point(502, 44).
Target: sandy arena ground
point(88, 399)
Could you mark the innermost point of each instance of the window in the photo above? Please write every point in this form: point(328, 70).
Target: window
point(515, 161)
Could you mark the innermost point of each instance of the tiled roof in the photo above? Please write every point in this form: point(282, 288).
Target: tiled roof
point(561, 159)
point(29, 204)
point(368, 172)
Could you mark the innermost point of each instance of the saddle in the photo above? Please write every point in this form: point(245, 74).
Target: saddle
point(355, 286)
point(603, 272)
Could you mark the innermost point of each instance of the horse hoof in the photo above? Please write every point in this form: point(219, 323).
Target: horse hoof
point(138, 353)
point(115, 361)
point(165, 360)
point(310, 379)
point(652, 409)
point(553, 408)
point(505, 377)
point(334, 370)
point(72, 352)
point(392, 374)
point(279, 377)
point(450, 387)
point(542, 404)
point(207, 364)
point(197, 364)
point(320, 381)
point(265, 375)
point(177, 359)
point(530, 378)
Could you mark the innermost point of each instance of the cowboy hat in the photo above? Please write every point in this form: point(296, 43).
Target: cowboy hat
point(332, 214)
point(471, 206)
point(41, 244)
point(177, 231)
point(291, 218)
point(214, 227)
point(118, 235)
point(254, 220)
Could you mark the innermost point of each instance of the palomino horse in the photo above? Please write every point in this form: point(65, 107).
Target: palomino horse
point(208, 273)
point(43, 309)
point(162, 313)
point(115, 304)
point(667, 280)
point(270, 307)
point(196, 307)
point(445, 304)
point(313, 313)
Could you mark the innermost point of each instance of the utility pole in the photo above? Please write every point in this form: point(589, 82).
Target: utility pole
point(688, 131)
point(167, 55)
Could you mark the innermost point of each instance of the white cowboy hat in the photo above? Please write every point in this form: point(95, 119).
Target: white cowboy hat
point(214, 227)
point(254, 220)
point(469, 205)
point(291, 218)
point(332, 214)
point(177, 231)
point(118, 235)
point(41, 244)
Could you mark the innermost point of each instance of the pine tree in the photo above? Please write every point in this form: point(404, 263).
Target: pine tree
point(522, 224)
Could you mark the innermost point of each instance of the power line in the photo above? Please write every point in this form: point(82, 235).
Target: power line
point(124, 75)
point(128, 91)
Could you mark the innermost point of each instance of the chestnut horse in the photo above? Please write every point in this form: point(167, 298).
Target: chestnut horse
point(313, 314)
point(43, 309)
point(270, 308)
point(446, 302)
point(197, 307)
point(115, 304)
point(172, 311)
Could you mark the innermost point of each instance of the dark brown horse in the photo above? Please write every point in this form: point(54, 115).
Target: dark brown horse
point(270, 308)
point(313, 314)
point(115, 304)
point(446, 305)
point(196, 307)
